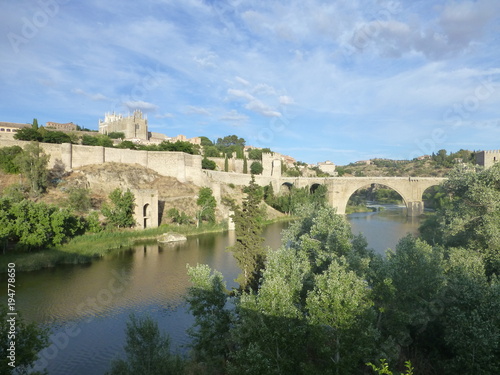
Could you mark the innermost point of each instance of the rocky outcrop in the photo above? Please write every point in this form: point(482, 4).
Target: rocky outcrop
point(171, 237)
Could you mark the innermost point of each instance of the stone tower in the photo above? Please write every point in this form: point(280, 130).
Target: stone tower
point(134, 126)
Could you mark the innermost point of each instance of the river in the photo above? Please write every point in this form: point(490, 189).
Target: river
point(87, 306)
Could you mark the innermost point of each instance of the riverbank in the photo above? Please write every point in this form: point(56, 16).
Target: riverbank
point(360, 208)
point(84, 249)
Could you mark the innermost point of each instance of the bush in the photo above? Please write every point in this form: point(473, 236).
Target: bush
point(208, 164)
point(256, 168)
point(7, 156)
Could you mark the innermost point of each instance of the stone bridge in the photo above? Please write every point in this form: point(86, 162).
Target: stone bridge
point(340, 189)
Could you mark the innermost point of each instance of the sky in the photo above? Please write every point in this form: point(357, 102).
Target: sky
point(314, 79)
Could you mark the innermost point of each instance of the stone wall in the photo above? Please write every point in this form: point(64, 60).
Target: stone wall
point(487, 158)
point(184, 167)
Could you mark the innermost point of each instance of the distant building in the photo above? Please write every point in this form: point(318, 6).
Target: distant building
point(367, 162)
point(424, 157)
point(328, 167)
point(487, 158)
point(9, 128)
point(135, 126)
point(55, 125)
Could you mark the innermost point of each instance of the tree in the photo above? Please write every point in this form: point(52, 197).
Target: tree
point(211, 151)
point(35, 124)
point(207, 204)
point(28, 134)
point(56, 137)
point(33, 165)
point(206, 142)
point(98, 140)
point(116, 135)
point(245, 165)
point(179, 146)
point(248, 249)
point(208, 164)
point(256, 168)
point(226, 164)
point(7, 157)
point(255, 154)
point(147, 350)
point(29, 339)
point(207, 299)
point(471, 218)
point(120, 213)
point(79, 199)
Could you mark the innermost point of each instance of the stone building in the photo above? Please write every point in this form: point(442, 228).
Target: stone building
point(69, 126)
point(10, 128)
point(328, 167)
point(135, 126)
point(487, 158)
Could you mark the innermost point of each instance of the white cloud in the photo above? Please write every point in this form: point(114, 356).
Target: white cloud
point(141, 105)
point(194, 110)
point(94, 97)
point(234, 116)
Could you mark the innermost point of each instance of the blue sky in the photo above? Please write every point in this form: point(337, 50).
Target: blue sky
point(317, 80)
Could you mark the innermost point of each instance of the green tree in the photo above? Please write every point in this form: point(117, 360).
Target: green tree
point(180, 146)
point(116, 135)
point(207, 204)
point(208, 164)
point(79, 199)
point(206, 142)
point(249, 250)
point(120, 213)
point(32, 163)
point(226, 164)
point(56, 137)
point(256, 168)
point(245, 165)
point(28, 134)
point(30, 339)
point(35, 124)
point(147, 350)
point(7, 157)
point(339, 308)
point(128, 144)
point(211, 151)
point(471, 219)
point(98, 140)
point(208, 300)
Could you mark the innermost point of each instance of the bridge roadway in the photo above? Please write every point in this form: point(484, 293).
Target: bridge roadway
point(340, 189)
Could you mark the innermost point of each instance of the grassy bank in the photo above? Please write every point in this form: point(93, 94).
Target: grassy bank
point(83, 249)
point(360, 208)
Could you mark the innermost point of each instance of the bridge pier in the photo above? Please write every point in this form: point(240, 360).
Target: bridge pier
point(415, 208)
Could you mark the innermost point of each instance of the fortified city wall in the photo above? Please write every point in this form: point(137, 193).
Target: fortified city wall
point(184, 167)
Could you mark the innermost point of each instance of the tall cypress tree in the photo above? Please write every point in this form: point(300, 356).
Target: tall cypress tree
point(245, 166)
point(249, 249)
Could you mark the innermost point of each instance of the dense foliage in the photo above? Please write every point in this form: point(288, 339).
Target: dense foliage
point(120, 213)
point(34, 226)
point(325, 304)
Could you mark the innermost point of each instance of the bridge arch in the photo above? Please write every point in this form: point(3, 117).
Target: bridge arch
point(314, 187)
point(366, 184)
point(286, 187)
